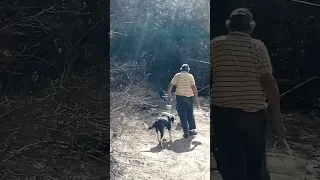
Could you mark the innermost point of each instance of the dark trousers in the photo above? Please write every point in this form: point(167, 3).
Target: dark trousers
point(213, 144)
point(239, 137)
point(185, 112)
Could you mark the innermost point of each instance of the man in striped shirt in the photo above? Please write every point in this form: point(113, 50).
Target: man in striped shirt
point(241, 75)
point(186, 90)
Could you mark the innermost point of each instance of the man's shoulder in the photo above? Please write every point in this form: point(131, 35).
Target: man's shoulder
point(182, 73)
point(187, 74)
point(260, 44)
point(258, 41)
point(219, 38)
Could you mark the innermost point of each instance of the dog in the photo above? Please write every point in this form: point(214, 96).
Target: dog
point(161, 123)
point(163, 96)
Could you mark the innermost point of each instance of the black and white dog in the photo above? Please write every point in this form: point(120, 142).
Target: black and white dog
point(161, 123)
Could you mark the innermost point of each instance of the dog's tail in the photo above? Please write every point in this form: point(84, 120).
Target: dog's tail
point(151, 127)
point(147, 126)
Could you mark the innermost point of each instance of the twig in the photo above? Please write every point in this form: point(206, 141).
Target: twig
point(204, 88)
point(92, 27)
point(118, 108)
point(65, 66)
point(18, 151)
point(38, 58)
point(299, 85)
point(306, 2)
point(199, 61)
point(114, 32)
point(42, 99)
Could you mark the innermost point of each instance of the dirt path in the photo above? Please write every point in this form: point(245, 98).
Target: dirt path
point(184, 159)
point(141, 159)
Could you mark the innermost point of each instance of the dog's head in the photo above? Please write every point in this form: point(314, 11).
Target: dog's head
point(170, 116)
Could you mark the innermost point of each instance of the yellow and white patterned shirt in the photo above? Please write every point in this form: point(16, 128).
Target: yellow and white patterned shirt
point(183, 82)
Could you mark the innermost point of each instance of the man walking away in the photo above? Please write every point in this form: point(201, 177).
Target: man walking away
point(242, 79)
point(186, 90)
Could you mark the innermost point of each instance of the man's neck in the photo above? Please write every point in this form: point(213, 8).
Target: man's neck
point(240, 32)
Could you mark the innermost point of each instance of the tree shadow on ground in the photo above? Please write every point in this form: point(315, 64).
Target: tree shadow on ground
point(178, 146)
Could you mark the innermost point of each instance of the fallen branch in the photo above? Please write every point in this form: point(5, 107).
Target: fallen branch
point(306, 2)
point(299, 85)
point(199, 61)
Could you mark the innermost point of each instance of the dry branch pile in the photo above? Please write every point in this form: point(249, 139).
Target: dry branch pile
point(129, 87)
point(54, 103)
point(59, 134)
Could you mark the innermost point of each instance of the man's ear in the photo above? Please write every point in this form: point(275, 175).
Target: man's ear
point(226, 23)
point(252, 24)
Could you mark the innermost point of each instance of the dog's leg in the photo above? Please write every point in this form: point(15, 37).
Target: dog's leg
point(161, 142)
point(170, 135)
point(158, 138)
point(161, 137)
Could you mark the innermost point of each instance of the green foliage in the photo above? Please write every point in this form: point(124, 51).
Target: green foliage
point(161, 36)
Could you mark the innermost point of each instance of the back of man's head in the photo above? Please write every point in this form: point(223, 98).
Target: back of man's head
point(185, 67)
point(240, 19)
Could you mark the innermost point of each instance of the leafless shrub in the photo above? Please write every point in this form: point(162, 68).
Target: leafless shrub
point(49, 136)
point(128, 88)
point(54, 127)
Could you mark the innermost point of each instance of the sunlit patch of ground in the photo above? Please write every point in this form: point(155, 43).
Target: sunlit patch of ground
point(183, 159)
point(138, 152)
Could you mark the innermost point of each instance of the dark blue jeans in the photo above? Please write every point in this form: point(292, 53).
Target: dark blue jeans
point(240, 139)
point(185, 112)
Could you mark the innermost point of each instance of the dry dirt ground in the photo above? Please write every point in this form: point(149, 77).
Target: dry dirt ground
point(137, 149)
point(283, 167)
point(140, 157)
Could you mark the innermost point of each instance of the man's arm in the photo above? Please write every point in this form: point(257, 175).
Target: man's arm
point(193, 86)
point(171, 84)
point(195, 91)
point(267, 80)
point(170, 88)
point(270, 87)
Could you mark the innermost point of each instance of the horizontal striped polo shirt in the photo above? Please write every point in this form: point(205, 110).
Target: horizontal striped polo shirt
point(237, 62)
point(183, 82)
